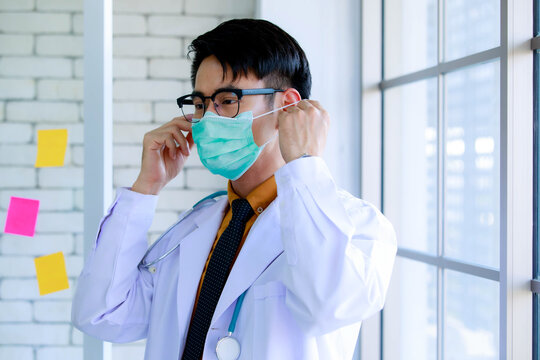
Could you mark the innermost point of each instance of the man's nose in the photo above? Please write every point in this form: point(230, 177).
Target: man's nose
point(211, 107)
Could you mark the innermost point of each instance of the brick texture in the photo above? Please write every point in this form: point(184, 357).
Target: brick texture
point(41, 87)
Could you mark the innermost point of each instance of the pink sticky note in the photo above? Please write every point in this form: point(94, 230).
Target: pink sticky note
point(22, 216)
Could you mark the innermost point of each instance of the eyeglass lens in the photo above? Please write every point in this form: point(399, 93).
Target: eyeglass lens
point(225, 104)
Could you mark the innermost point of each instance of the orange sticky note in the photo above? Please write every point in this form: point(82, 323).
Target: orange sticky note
point(51, 273)
point(22, 216)
point(51, 147)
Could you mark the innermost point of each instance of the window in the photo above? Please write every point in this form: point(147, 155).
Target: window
point(451, 104)
point(441, 178)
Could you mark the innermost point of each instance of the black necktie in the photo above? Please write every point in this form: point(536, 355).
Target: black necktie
point(215, 278)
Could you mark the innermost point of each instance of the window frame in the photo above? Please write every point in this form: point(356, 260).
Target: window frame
point(516, 166)
point(535, 282)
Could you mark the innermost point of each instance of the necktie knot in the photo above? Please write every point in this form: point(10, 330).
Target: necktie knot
point(241, 210)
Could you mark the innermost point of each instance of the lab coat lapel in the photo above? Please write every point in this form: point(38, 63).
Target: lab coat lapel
point(194, 250)
point(260, 248)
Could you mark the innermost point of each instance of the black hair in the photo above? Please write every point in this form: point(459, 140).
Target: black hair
point(257, 45)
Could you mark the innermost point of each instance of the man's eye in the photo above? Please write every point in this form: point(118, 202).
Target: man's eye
point(229, 101)
point(199, 106)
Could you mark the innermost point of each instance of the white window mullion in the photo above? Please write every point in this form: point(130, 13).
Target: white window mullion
point(371, 180)
point(97, 135)
point(516, 179)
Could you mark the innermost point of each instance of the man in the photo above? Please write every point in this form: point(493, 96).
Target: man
point(287, 264)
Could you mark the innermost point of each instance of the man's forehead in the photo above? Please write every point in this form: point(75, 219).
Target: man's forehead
point(211, 76)
point(210, 87)
point(209, 90)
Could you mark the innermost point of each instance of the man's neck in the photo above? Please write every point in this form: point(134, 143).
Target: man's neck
point(265, 166)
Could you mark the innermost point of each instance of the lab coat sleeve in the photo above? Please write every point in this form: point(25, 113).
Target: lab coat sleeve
point(113, 297)
point(339, 249)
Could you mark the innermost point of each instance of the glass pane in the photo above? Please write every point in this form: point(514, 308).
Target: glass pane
point(471, 165)
point(410, 36)
point(471, 26)
point(471, 322)
point(410, 163)
point(536, 329)
point(410, 314)
point(536, 18)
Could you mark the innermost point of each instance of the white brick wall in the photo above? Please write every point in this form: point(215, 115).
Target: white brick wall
point(60, 90)
point(180, 25)
point(16, 133)
point(55, 45)
point(15, 311)
point(19, 352)
point(52, 67)
point(39, 111)
point(17, 88)
point(16, 44)
point(34, 22)
point(52, 311)
point(41, 87)
point(34, 334)
point(16, 5)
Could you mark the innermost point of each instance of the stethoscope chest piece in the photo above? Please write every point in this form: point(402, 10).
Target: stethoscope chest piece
point(228, 348)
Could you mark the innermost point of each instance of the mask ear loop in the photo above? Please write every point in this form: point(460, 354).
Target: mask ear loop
point(276, 134)
point(271, 111)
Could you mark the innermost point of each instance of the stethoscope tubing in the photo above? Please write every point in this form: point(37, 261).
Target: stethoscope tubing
point(155, 261)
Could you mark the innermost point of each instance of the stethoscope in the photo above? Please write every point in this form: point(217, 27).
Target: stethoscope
point(149, 265)
point(228, 347)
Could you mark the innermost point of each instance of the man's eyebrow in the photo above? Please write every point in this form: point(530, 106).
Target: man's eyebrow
point(227, 87)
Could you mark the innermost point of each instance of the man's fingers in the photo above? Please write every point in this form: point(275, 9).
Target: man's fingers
point(316, 104)
point(182, 142)
point(291, 109)
point(190, 140)
point(304, 105)
point(169, 142)
point(181, 122)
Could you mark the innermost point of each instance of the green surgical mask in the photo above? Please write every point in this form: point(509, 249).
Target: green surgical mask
point(225, 145)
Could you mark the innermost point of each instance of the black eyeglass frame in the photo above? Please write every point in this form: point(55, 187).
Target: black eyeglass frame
point(183, 100)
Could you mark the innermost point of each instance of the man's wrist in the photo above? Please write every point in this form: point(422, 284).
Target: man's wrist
point(305, 154)
point(146, 189)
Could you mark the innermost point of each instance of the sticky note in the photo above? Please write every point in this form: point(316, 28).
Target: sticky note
point(51, 147)
point(21, 216)
point(51, 273)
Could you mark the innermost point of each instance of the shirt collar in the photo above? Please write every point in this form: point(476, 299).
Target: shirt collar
point(260, 197)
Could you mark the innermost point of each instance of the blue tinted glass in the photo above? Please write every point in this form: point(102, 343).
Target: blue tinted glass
point(536, 321)
point(536, 17)
point(471, 164)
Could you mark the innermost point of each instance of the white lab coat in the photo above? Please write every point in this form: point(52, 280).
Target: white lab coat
point(316, 263)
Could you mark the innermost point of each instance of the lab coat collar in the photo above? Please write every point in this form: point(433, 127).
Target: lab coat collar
point(260, 249)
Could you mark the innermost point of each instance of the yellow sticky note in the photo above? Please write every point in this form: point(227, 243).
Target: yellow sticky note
point(51, 273)
point(51, 147)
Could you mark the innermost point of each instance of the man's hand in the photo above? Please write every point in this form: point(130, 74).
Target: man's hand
point(303, 130)
point(162, 160)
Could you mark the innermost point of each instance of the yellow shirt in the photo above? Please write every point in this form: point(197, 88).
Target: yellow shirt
point(259, 199)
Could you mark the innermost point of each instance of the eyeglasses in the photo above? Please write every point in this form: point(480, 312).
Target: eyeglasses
point(226, 102)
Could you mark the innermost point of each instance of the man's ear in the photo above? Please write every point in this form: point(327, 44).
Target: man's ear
point(290, 96)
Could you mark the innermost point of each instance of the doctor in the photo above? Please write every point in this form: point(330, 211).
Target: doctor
point(285, 266)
